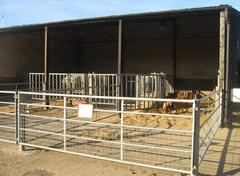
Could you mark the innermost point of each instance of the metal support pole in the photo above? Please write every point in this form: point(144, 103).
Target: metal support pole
point(121, 135)
point(227, 87)
point(222, 53)
point(16, 116)
point(46, 70)
point(90, 85)
point(195, 137)
point(119, 46)
point(30, 82)
point(21, 119)
point(64, 122)
point(221, 105)
point(119, 69)
point(137, 91)
point(174, 53)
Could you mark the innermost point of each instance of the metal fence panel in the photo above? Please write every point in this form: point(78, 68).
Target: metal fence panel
point(102, 85)
point(130, 85)
point(133, 130)
point(8, 118)
point(36, 83)
point(211, 115)
point(145, 138)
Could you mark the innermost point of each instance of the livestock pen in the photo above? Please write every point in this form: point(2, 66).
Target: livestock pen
point(154, 88)
point(150, 136)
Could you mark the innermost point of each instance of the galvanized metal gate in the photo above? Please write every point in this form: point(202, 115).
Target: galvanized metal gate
point(130, 85)
point(141, 138)
point(146, 137)
point(211, 114)
point(8, 116)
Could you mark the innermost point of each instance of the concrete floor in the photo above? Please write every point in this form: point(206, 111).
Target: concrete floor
point(223, 156)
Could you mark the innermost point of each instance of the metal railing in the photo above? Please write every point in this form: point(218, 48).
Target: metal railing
point(8, 116)
point(210, 121)
point(144, 138)
point(123, 85)
point(150, 137)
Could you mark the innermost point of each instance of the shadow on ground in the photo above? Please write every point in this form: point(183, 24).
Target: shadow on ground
point(223, 156)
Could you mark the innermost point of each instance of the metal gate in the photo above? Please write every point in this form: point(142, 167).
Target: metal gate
point(123, 85)
point(8, 119)
point(211, 116)
point(145, 138)
point(150, 137)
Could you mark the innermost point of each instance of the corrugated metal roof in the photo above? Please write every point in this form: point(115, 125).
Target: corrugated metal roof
point(115, 17)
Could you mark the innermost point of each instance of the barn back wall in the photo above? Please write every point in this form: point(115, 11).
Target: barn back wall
point(185, 47)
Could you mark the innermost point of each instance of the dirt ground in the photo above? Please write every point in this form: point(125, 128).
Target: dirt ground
point(223, 158)
point(48, 163)
point(45, 163)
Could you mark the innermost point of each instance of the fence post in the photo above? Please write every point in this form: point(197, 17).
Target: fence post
point(30, 82)
point(195, 137)
point(16, 116)
point(221, 104)
point(90, 85)
point(137, 91)
point(119, 91)
point(21, 137)
point(121, 135)
point(64, 122)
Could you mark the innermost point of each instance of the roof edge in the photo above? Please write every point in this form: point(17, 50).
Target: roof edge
point(116, 17)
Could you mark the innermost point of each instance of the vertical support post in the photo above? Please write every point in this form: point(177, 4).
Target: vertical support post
point(221, 108)
point(46, 71)
point(119, 46)
point(227, 87)
point(90, 85)
point(21, 119)
point(174, 53)
point(195, 137)
point(157, 85)
point(137, 91)
point(29, 82)
point(162, 85)
point(16, 116)
point(64, 122)
point(222, 53)
point(119, 69)
point(121, 135)
point(222, 50)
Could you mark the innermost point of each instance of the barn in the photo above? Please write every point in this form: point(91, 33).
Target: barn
point(198, 49)
point(193, 49)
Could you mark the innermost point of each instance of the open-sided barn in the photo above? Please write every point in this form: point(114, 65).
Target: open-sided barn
point(194, 49)
point(191, 45)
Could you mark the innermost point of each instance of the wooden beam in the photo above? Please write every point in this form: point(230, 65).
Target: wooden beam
point(227, 62)
point(221, 71)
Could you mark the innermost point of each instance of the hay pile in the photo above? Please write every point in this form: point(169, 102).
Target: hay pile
point(157, 121)
point(7, 108)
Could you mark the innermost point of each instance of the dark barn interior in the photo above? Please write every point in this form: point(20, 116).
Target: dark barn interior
point(184, 44)
point(148, 89)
